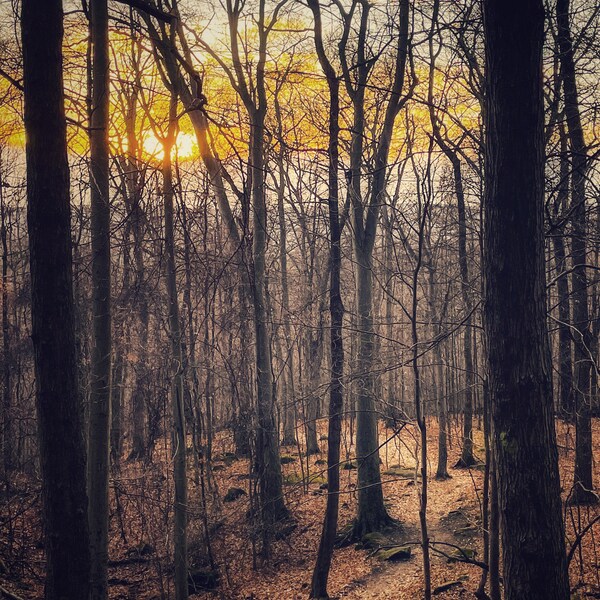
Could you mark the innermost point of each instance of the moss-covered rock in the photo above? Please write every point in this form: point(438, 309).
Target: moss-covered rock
point(461, 554)
point(296, 479)
point(287, 459)
point(395, 554)
point(373, 541)
point(292, 479)
point(398, 471)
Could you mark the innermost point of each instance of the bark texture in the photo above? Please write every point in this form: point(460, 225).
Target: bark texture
point(100, 379)
point(58, 402)
point(515, 310)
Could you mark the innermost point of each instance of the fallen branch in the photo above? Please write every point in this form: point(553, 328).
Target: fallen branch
point(580, 537)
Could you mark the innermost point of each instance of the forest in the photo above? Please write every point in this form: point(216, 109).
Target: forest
point(300, 299)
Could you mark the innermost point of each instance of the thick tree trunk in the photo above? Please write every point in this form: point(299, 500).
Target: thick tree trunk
point(515, 310)
point(372, 515)
point(59, 409)
point(267, 453)
point(100, 377)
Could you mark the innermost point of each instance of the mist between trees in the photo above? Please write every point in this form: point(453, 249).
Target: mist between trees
point(281, 278)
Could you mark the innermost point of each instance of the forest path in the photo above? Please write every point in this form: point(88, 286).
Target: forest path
point(450, 511)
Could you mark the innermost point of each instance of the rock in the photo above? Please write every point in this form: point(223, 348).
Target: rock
point(292, 479)
point(349, 466)
point(216, 468)
point(324, 486)
point(323, 438)
point(202, 579)
point(373, 541)
point(399, 471)
point(287, 459)
point(395, 554)
point(320, 462)
point(446, 586)
point(233, 494)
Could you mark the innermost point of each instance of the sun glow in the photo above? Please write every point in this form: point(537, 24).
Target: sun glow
point(185, 146)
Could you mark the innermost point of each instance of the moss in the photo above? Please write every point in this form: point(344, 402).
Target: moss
point(373, 541)
point(397, 553)
point(296, 479)
point(461, 554)
point(287, 459)
point(401, 472)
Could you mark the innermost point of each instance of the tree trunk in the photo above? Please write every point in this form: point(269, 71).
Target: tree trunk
point(8, 432)
point(59, 409)
point(583, 484)
point(565, 363)
point(179, 446)
point(372, 515)
point(288, 401)
point(336, 309)
point(100, 378)
point(515, 310)
point(267, 454)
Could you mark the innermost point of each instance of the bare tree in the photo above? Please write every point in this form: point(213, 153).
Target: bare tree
point(62, 449)
point(515, 309)
point(100, 379)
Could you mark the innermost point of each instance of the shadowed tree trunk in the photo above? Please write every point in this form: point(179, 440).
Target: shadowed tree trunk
point(336, 309)
point(582, 337)
point(565, 363)
point(8, 432)
point(59, 409)
point(372, 514)
point(515, 309)
point(179, 446)
point(100, 378)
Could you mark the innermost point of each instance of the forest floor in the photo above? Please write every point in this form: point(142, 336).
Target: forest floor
point(141, 515)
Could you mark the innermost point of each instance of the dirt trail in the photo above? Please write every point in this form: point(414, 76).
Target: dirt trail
point(452, 519)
